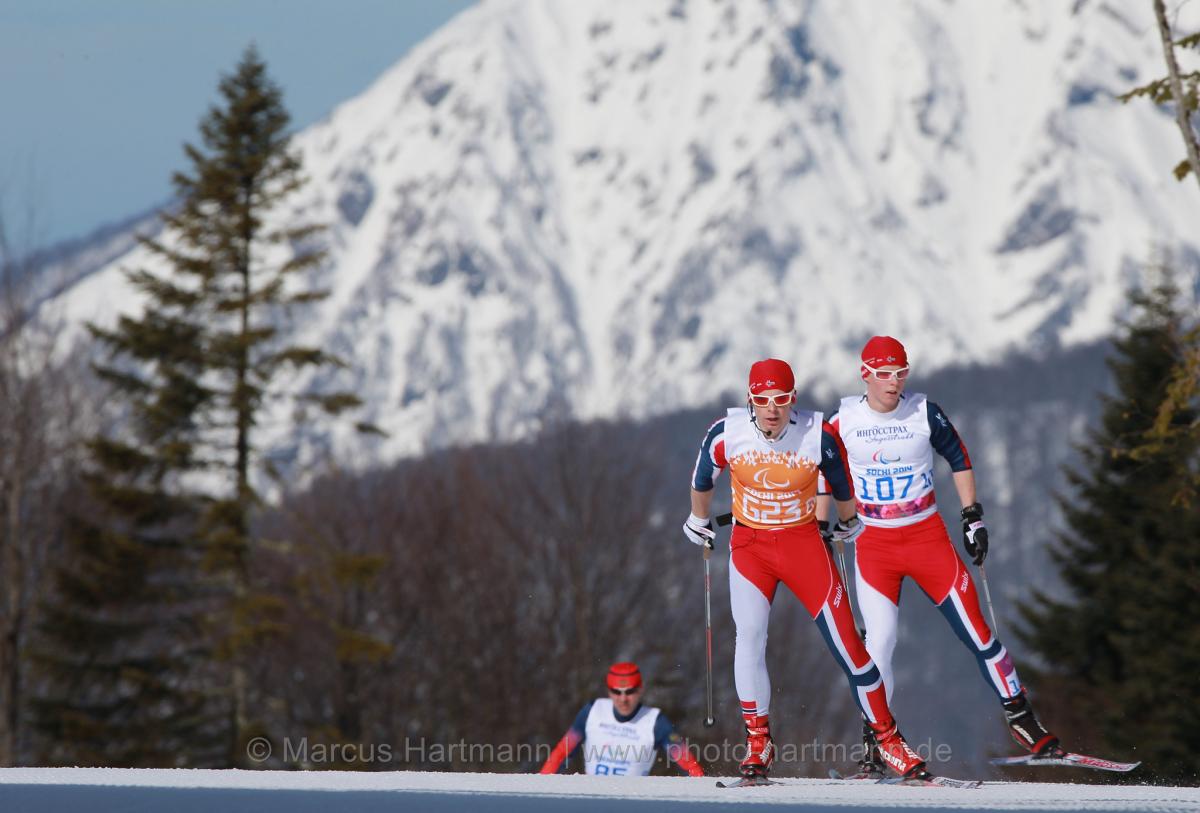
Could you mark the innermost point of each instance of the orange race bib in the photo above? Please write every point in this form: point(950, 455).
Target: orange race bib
point(774, 483)
point(773, 489)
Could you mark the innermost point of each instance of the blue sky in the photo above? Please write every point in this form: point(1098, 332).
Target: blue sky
point(98, 96)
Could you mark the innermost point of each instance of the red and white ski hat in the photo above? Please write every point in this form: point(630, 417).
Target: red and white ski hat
point(881, 351)
point(624, 675)
point(771, 374)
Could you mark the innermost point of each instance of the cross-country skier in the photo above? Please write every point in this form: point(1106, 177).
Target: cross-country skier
point(890, 437)
point(774, 451)
point(618, 734)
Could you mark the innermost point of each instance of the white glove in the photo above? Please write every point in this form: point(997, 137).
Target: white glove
point(699, 530)
point(846, 530)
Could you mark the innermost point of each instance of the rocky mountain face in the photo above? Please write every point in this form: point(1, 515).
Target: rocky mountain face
point(601, 209)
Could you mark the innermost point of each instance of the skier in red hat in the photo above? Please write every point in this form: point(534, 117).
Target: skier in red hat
point(890, 437)
point(619, 735)
point(774, 452)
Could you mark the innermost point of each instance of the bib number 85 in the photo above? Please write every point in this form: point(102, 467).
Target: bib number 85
point(604, 769)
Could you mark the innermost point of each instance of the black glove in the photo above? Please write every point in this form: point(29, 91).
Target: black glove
point(699, 530)
point(975, 535)
point(826, 534)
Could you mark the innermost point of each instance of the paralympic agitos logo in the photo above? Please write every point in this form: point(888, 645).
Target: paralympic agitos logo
point(880, 458)
point(762, 480)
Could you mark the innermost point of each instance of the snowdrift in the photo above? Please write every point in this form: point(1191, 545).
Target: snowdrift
point(107, 790)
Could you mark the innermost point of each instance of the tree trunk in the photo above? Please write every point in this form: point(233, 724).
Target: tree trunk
point(1181, 111)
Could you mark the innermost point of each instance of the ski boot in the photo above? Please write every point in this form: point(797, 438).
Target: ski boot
point(894, 751)
point(760, 749)
point(1026, 730)
point(871, 765)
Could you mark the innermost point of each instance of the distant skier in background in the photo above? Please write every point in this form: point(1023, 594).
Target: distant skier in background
point(774, 451)
point(890, 437)
point(619, 735)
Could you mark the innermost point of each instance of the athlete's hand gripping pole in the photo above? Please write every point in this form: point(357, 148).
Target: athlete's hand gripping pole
point(827, 535)
point(975, 541)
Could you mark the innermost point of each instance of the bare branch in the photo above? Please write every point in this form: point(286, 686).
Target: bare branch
point(1182, 110)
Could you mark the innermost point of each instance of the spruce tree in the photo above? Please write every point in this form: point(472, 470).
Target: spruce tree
point(1122, 645)
point(121, 644)
point(208, 355)
point(248, 261)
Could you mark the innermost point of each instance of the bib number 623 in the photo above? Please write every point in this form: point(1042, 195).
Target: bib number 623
point(775, 512)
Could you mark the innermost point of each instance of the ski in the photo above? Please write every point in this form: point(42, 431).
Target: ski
point(749, 782)
point(854, 777)
point(1068, 758)
point(928, 780)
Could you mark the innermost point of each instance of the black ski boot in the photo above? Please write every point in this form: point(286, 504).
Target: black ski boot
point(871, 764)
point(1026, 730)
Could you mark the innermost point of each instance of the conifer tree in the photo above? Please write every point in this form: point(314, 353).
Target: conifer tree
point(121, 648)
point(1122, 646)
point(208, 358)
point(231, 244)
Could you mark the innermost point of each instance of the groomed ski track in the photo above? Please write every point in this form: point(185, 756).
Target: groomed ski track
point(109, 790)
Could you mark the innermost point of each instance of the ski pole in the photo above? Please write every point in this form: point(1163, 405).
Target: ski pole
point(709, 720)
point(841, 547)
point(987, 594)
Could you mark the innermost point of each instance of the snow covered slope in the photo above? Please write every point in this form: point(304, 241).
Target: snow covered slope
point(605, 207)
point(181, 791)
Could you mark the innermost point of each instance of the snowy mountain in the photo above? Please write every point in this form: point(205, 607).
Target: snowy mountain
point(611, 207)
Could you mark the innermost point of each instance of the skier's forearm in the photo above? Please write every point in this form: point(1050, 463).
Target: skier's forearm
point(561, 752)
point(964, 482)
point(823, 507)
point(846, 509)
point(701, 503)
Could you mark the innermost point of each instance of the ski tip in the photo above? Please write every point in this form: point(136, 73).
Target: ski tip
point(1066, 759)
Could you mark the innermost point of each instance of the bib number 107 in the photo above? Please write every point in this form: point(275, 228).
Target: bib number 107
point(886, 488)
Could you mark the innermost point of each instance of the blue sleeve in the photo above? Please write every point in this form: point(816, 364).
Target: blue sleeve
point(580, 724)
point(945, 440)
point(833, 464)
point(711, 459)
point(662, 731)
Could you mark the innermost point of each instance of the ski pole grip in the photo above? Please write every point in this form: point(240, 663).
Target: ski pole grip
point(724, 519)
